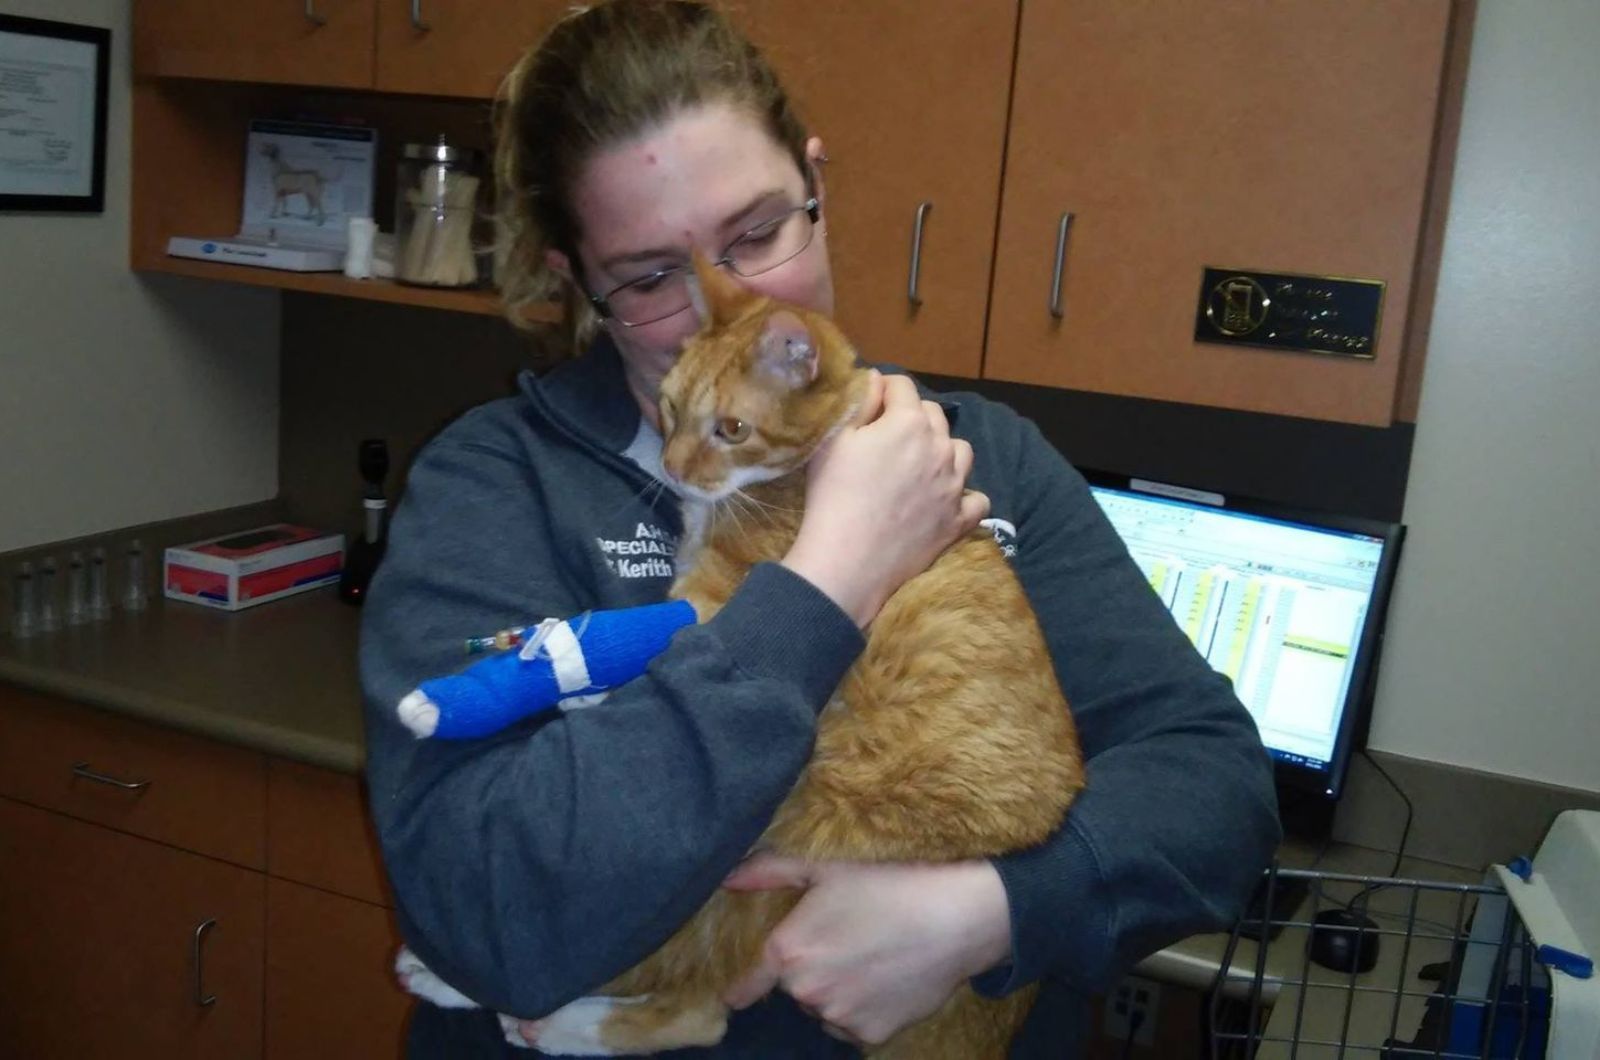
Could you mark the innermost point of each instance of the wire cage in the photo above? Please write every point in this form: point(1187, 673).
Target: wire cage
point(1434, 969)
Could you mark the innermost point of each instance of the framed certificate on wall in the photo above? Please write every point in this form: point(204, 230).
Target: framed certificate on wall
point(53, 86)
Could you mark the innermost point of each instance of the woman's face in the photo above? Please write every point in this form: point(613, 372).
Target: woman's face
point(698, 181)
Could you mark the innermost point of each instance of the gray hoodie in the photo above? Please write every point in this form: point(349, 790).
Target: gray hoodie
point(533, 866)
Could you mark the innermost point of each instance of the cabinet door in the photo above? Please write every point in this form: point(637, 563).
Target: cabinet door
point(97, 955)
point(319, 832)
point(292, 42)
point(1279, 135)
point(909, 99)
point(442, 48)
point(330, 987)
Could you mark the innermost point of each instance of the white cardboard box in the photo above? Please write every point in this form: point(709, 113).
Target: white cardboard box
point(252, 567)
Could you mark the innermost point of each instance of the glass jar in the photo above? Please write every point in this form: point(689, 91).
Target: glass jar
point(435, 212)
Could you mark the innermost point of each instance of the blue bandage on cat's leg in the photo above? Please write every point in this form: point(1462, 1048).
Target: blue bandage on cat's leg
point(564, 665)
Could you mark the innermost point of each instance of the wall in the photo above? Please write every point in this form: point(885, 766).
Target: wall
point(1493, 657)
point(123, 399)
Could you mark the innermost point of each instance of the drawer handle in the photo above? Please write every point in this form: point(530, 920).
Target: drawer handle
point(81, 769)
point(416, 16)
point(912, 291)
point(1061, 260)
point(312, 16)
point(201, 998)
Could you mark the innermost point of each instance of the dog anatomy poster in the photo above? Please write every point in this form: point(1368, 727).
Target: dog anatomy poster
point(302, 182)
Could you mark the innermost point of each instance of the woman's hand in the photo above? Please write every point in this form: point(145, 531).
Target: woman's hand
point(873, 947)
point(883, 499)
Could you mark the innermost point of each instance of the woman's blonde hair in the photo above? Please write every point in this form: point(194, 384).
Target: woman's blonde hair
point(603, 74)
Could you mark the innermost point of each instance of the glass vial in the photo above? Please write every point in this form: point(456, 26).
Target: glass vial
point(99, 601)
point(133, 592)
point(77, 591)
point(49, 616)
point(24, 620)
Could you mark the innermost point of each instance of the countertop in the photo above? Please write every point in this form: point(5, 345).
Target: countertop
point(279, 677)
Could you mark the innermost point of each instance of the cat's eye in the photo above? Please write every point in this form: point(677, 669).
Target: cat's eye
point(732, 431)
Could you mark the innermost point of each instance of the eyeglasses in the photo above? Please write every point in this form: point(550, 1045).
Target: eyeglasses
point(665, 292)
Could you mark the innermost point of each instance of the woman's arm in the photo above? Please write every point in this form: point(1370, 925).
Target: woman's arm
point(1179, 814)
point(1173, 828)
point(532, 866)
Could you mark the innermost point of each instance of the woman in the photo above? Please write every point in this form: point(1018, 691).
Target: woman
point(532, 867)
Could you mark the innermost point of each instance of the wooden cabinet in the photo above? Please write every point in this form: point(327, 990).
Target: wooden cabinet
point(448, 48)
point(907, 131)
point(319, 832)
point(331, 938)
point(1291, 136)
point(1297, 137)
point(100, 956)
point(428, 47)
point(293, 42)
point(103, 888)
point(162, 785)
point(329, 988)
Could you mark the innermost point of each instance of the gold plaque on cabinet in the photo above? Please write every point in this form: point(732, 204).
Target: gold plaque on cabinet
point(1288, 311)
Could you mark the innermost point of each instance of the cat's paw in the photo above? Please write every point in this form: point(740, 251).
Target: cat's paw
point(520, 1033)
point(416, 978)
point(418, 713)
point(571, 1030)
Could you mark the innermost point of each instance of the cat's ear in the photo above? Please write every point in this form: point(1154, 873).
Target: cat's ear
point(787, 351)
point(714, 294)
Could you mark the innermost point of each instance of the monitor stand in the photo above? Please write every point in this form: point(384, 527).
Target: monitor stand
point(1306, 816)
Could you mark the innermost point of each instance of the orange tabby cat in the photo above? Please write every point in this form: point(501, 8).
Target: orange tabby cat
point(948, 739)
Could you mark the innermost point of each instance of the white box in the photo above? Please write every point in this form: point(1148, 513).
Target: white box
point(252, 567)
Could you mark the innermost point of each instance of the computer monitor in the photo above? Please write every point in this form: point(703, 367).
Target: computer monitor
point(1289, 604)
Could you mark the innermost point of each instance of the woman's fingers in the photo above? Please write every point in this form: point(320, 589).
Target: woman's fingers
point(872, 402)
point(884, 500)
point(974, 507)
point(961, 458)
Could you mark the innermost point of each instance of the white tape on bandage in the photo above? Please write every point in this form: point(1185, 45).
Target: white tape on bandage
point(566, 659)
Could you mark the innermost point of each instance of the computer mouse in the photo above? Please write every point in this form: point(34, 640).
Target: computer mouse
point(1343, 941)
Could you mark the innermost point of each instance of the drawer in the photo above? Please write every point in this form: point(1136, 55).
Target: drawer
point(319, 832)
point(153, 782)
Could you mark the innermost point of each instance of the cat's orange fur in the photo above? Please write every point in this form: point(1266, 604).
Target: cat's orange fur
point(948, 739)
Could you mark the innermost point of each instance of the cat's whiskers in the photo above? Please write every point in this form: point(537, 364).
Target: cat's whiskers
point(751, 507)
point(758, 502)
point(649, 493)
point(733, 513)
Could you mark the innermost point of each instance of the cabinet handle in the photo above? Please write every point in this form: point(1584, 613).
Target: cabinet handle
point(81, 769)
point(416, 16)
point(912, 293)
point(312, 16)
point(201, 998)
point(1061, 260)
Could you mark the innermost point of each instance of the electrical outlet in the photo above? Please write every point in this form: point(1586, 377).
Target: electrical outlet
point(1131, 1007)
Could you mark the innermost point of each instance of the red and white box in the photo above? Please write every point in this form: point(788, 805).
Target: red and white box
point(252, 567)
